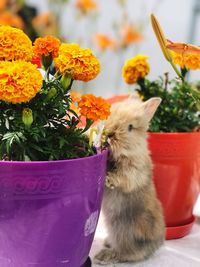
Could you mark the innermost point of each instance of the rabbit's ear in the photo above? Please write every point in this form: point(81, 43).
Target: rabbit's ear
point(150, 106)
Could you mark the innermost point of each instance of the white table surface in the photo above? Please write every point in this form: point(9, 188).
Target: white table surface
point(183, 252)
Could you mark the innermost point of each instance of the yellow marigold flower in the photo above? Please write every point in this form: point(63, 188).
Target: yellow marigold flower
point(135, 68)
point(188, 61)
point(45, 46)
point(94, 108)
point(7, 18)
point(20, 81)
point(14, 44)
point(79, 63)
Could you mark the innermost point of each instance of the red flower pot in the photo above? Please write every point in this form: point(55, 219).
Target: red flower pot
point(176, 159)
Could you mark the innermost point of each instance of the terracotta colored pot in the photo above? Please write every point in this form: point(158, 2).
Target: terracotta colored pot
point(117, 98)
point(176, 158)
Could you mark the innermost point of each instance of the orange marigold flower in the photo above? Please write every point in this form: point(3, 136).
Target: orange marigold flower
point(45, 46)
point(10, 19)
point(79, 63)
point(14, 44)
point(20, 81)
point(94, 108)
point(86, 5)
point(135, 69)
point(188, 61)
point(103, 41)
point(129, 35)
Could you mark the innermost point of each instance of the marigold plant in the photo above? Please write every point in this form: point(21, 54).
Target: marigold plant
point(135, 69)
point(187, 56)
point(14, 44)
point(78, 63)
point(37, 118)
point(179, 109)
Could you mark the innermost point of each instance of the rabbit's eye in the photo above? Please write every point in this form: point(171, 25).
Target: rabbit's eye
point(130, 127)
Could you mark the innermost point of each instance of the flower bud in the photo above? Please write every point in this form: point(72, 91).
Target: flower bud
point(66, 81)
point(27, 117)
point(52, 92)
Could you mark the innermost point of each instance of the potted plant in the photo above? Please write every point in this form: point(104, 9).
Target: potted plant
point(51, 176)
point(174, 140)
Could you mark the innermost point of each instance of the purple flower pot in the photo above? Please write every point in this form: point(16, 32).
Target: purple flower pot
point(49, 211)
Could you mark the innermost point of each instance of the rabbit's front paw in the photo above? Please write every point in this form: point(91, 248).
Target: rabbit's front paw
point(106, 256)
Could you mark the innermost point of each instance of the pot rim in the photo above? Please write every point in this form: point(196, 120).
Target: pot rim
point(99, 154)
point(173, 133)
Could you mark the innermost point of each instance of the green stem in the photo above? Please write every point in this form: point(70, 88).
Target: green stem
point(87, 126)
point(176, 70)
point(48, 72)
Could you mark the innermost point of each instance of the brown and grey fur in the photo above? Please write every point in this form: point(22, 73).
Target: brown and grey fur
point(133, 214)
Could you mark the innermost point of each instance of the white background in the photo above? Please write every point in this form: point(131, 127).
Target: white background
point(174, 16)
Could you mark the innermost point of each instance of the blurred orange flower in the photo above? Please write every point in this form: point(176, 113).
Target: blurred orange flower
point(94, 108)
point(86, 5)
point(45, 24)
point(45, 46)
point(7, 18)
point(129, 35)
point(3, 4)
point(76, 97)
point(103, 41)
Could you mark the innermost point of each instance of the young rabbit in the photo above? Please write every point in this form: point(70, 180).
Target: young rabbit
point(133, 214)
